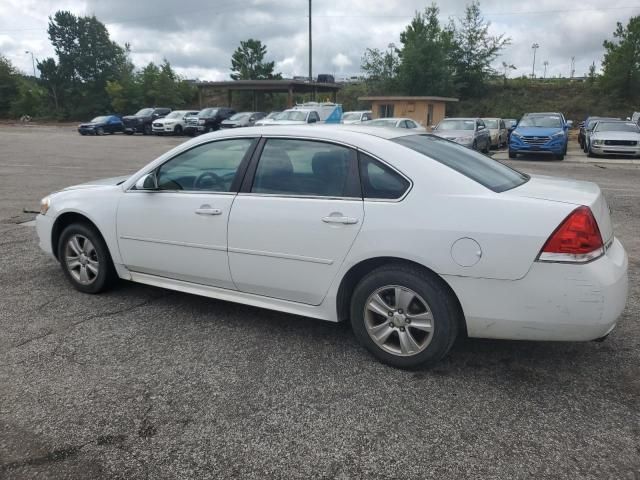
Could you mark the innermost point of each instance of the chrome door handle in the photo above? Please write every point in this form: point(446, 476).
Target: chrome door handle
point(208, 211)
point(342, 220)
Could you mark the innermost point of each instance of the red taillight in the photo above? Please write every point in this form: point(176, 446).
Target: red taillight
point(577, 239)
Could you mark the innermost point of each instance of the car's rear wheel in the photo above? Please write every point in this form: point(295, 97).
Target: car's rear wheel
point(177, 130)
point(404, 317)
point(85, 259)
point(146, 130)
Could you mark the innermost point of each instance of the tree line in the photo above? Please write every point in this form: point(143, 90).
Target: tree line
point(91, 74)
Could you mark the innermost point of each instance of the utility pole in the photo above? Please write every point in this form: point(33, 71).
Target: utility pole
point(546, 64)
point(535, 47)
point(573, 67)
point(310, 47)
point(33, 62)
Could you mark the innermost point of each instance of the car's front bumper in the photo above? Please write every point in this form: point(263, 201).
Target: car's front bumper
point(44, 226)
point(554, 301)
point(163, 129)
point(633, 151)
point(555, 146)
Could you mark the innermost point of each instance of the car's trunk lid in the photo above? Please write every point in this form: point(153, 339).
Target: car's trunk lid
point(574, 192)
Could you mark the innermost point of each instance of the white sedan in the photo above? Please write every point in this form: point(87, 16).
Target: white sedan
point(412, 238)
point(395, 122)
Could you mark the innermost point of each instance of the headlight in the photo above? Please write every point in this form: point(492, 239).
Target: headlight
point(464, 140)
point(44, 205)
point(598, 142)
point(558, 135)
point(516, 134)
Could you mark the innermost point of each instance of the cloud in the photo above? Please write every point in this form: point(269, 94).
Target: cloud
point(199, 36)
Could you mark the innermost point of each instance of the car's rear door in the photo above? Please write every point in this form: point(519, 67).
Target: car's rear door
point(293, 223)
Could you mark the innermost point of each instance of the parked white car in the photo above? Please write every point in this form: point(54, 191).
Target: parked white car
point(412, 237)
point(292, 117)
point(173, 123)
point(614, 138)
point(356, 116)
point(396, 123)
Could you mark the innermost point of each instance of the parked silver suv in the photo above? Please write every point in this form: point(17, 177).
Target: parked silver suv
point(470, 132)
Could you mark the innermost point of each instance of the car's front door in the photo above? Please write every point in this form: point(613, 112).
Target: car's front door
point(179, 229)
point(295, 219)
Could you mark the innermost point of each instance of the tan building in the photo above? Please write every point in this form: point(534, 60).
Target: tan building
point(426, 111)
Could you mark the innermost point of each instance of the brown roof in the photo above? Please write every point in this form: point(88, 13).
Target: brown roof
point(408, 99)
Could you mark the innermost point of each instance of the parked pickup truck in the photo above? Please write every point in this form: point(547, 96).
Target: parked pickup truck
point(208, 120)
point(141, 121)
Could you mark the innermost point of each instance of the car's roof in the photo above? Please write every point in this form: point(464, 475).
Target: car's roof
point(395, 119)
point(460, 118)
point(357, 111)
point(329, 131)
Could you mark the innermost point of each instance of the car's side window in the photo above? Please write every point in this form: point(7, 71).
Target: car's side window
point(411, 124)
point(306, 168)
point(211, 167)
point(502, 125)
point(403, 124)
point(379, 181)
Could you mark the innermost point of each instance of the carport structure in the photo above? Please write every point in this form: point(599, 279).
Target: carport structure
point(291, 87)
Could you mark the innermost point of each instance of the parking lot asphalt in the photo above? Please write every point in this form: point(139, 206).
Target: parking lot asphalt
point(143, 383)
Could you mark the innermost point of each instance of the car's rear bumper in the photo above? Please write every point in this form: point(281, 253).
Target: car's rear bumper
point(554, 301)
point(44, 225)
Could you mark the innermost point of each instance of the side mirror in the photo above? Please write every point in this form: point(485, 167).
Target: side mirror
point(433, 127)
point(147, 182)
point(570, 123)
point(628, 119)
point(480, 127)
point(312, 120)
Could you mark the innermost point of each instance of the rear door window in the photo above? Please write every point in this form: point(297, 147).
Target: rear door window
point(380, 181)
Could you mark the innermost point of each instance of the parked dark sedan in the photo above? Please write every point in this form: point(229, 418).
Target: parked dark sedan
point(101, 125)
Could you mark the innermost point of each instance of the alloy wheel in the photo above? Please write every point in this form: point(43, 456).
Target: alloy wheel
point(398, 320)
point(81, 259)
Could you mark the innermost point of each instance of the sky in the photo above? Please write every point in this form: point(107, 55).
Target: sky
point(199, 36)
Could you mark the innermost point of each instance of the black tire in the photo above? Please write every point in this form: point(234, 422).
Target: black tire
point(106, 272)
point(146, 130)
point(177, 130)
point(590, 154)
point(100, 131)
point(512, 154)
point(487, 147)
point(474, 146)
point(443, 307)
point(129, 132)
point(560, 157)
point(82, 133)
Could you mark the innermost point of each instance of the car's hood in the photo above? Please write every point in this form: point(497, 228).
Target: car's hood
point(537, 131)
point(90, 124)
point(351, 122)
point(103, 182)
point(131, 117)
point(232, 123)
point(453, 133)
point(615, 136)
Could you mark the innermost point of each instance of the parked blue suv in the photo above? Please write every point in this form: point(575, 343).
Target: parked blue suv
point(540, 133)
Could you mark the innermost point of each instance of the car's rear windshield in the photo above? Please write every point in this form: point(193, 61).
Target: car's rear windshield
point(208, 112)
point(490, 123)
point(457, 124)
point(484, 170)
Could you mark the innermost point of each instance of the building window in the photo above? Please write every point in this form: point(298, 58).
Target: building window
point(386, 110)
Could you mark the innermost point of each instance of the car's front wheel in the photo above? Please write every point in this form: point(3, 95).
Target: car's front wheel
point(403, 316)
point(512, 154)
point(85, 259)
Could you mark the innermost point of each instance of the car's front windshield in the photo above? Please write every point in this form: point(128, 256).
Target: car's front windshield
point(541, 121)
point(240, 116)
point(480, 168)
point(208, 112)
point(145, 112)
point(351, 116)
point(616, 127)
point(273, 115)
point(456, 125)
point(294, 115)
point(100, 120)
point(382, 122)
point(490, 123)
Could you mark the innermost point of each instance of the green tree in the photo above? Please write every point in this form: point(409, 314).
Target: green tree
point(8, 85)
point(247, 62)
point(86, 60)
point(621, 64)
point(31, 99)
point(381, 67)
point(426, 56)
point(475, 51)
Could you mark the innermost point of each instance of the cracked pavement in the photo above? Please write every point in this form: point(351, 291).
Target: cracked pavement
point(142, 382)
